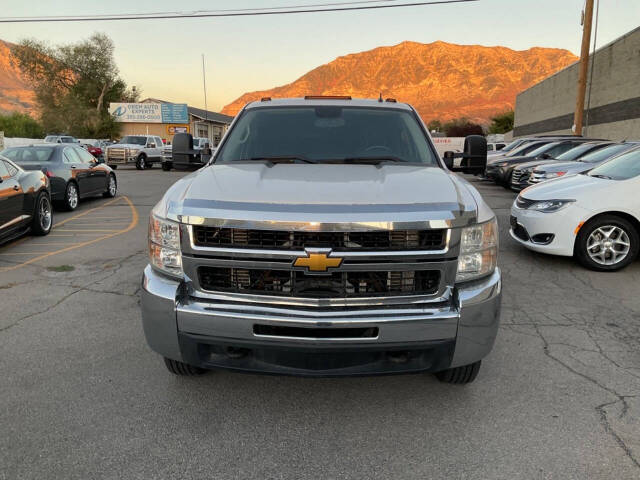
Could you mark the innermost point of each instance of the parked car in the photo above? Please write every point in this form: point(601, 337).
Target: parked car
point(521, 173)
point(141, 150)
point(502, 170)
point(25, 201)
point(520, 142)
point(594, 216)
point(587, 162)
point(94, 149)
point(495, 147)
point(60, 139)
point(317, 222)
point(73, 173)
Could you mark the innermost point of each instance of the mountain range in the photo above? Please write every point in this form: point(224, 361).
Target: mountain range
point(441, 80)
point(15, 93)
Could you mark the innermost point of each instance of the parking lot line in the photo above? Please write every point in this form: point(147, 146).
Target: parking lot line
point(104, 235)
point(90, 230)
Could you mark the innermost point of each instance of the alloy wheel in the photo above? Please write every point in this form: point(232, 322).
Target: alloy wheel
point(608, 245)
point(112, 186)
point(72, 196)
point(44, 213)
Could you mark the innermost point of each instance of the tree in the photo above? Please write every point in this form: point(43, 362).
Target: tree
point(461, 127)
point(502, 123)
point(434, 125)
point(74, 84)
point(20, 125)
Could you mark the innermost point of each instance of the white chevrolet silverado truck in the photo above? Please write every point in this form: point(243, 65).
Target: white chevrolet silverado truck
point(325, 238)
point(141, 150)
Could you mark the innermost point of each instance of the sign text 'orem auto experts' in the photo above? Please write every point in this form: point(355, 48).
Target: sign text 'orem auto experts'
point(149, 112)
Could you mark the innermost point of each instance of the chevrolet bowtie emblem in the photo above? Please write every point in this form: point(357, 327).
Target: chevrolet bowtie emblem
point(317, 262)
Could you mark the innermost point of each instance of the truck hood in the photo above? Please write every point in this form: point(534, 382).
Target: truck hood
point(125, 145)
point(366, 195)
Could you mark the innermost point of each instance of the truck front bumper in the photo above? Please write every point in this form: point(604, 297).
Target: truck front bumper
point(320, 342)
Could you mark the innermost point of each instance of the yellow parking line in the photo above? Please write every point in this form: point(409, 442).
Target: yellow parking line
point(23, 253)
point(131, 226)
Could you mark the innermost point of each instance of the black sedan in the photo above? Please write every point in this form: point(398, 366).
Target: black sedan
point(72, 171)
point(25, 201)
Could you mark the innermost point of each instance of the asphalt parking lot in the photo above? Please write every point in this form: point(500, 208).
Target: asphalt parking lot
point(83, 397)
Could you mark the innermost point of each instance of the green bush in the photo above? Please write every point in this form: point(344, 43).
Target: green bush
point(20, 125)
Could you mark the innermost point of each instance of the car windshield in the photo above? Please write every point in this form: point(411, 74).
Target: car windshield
point(29, 154)
point(542, 149)
point(603, 154)
point(622, 167)
point(524, 149)
point(67, 140)
point(577, 151)
point(512, 145)
point(328, 133)
point(134, 140)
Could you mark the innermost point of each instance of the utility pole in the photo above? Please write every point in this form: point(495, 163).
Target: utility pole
point(584, 67)
point(204, 84)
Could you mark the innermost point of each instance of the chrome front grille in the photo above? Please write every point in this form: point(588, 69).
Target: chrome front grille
point(337, 241)
point(334, 285)
point(379, 267)
point(519, 177)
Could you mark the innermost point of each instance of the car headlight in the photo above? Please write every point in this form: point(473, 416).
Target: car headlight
point(164, 246)
point(549, 175)
point(548, 206)
point(478, 251)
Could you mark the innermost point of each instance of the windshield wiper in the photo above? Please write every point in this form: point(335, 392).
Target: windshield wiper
point(606, 177)
point(369, 160)
point(282, 159)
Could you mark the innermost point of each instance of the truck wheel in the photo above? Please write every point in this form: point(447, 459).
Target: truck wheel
point(607, 243)
point(166, 166)
point(181, 368)
point(115, 167)
point(141, 162)
point(460, 375)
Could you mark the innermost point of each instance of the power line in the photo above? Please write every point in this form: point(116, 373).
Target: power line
point(228, 13)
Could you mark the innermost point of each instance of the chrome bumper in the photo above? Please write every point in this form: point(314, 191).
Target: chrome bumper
point(175, 322)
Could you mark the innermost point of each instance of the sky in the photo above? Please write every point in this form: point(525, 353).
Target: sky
point(163, 58)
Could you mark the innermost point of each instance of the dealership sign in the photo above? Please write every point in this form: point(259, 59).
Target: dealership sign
point(149, 112)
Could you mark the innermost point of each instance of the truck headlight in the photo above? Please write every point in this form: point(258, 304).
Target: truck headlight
point(478, 251)
point(164, 246)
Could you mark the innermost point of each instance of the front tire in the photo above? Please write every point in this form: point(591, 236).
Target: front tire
point(166, 166)
point(112, 187)
point(42, 216)
point(460, 375)
point(71, 197)
point(607, 243)
point(182, 369)
point(141, 162)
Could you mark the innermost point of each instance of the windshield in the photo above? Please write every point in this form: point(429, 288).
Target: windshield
point(328, 133)
point(603, 154)
point(134, 140)
point(541, 149)
point(524, 149)
point(67, 140)
point(513, 145)
point(578, 151)
point(29, 154)
point(622, 167)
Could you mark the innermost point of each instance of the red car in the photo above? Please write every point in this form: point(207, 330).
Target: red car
point(93, 150)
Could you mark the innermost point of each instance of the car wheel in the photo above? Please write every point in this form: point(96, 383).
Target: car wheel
point(71, 197)
point(112, 187)
point(141, 162)
point(607, 243)
point(115, 167)
point(507, 182)
point(460, 375)
point(42, 216)
point(166, 166)
point(182, 369)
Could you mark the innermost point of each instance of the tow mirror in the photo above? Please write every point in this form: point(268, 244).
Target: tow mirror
point(474, 157)
point(448, 159)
